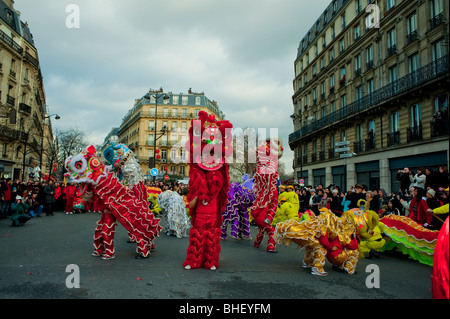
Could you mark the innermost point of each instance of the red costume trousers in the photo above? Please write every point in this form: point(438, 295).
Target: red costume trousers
point(104, 235)
point(204, 238)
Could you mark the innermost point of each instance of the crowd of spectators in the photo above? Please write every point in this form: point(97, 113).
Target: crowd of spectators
point(22, 201)
point(420, 192)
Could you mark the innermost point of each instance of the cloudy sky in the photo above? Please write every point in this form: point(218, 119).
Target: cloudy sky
point(239, 53)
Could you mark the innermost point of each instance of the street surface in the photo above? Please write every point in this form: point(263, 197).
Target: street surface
point(33, 261)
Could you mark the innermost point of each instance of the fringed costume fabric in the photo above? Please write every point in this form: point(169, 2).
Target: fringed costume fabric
point(209, 144)
point(318, 235)
point(129, 206)
point(240, 199)
point(266, 192)
point(173, 208)
point(410, 238)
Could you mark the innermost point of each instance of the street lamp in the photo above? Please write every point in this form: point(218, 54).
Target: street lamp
point(156, 96)
point(57, 117)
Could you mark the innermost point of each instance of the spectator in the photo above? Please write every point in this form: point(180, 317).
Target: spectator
point(314, 201)
point(35, 207)
point(403, 177)
point(371, 203)
point(19, 214)
point(355, 196)
point(49, 192)
point(433, 203)
point(430, 181)
point(336, 203)
point(6, 189)
point(383, 198)
point(418, 208)
point(442, 177)
point(391, 208)
point(70, 190)
point(419, 179)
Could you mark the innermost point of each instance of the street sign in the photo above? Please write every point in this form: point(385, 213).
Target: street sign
point(154, 172)
point(344, 143)
point(302, 182)
point(342, 149)
point(347, 155)
point(166, 177)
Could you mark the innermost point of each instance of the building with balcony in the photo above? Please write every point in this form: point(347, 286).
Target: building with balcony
point(368, 87)
point(23, 112)
point(168, 115)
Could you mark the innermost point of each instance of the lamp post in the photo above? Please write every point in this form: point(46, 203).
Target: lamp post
point(156, 96)
point(57, 117)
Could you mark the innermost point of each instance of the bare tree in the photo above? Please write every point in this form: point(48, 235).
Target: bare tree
point(67, 142)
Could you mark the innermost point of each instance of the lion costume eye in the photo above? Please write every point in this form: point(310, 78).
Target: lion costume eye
point(79, 164)
point(95, 162)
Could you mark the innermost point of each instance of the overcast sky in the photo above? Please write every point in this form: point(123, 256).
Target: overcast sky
point(239, 53)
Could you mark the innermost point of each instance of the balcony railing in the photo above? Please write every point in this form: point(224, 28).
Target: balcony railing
point(11, 134)
point(437, 20)
point(6, 38)
point(414, 133)
point(24, 108)
point(413, 36)
point(392, 50)
point(393, 138)
point(421, 76)
point(358, 146)
point(438, 128)
point(10, 100)
point(370, 144)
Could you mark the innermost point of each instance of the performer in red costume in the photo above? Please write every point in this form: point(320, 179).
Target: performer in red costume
point(104, 233)
point(266, 192)
point(440, 275)
point(343, 256)
point(129, 207)
point(210, 142)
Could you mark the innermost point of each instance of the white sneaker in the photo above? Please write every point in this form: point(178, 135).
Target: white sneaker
point(306, 266)
point(213, 268)
point(316, 272)
point(187, 267)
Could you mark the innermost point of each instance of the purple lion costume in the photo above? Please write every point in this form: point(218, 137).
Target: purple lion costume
point(240, 199)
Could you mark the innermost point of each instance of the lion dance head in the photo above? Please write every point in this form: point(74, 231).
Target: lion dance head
point(84, 167)
point(210, 142)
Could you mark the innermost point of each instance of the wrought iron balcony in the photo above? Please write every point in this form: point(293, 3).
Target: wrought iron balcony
point(11, 134)
point(413, 36)
point(25, 108)
point(437, 20)
point(358, 146)
point(414, 133)
point(421, 76)
point(370, 144)
point(393, 138)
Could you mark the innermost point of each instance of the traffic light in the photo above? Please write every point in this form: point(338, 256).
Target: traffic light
point(158, 156)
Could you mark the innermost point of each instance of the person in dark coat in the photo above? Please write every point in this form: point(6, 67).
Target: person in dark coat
point(49, 201)
point(403, 177)
point(19, 214)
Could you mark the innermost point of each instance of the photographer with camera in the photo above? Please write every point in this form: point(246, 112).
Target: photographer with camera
point(403, 176)
point(19, 212)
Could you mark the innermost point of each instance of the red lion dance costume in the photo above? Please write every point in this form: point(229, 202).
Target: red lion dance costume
point(128, 206)
point(210, 142)
point(266, 192)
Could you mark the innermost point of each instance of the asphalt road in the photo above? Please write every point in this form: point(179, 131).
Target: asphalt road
point(33, 261)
